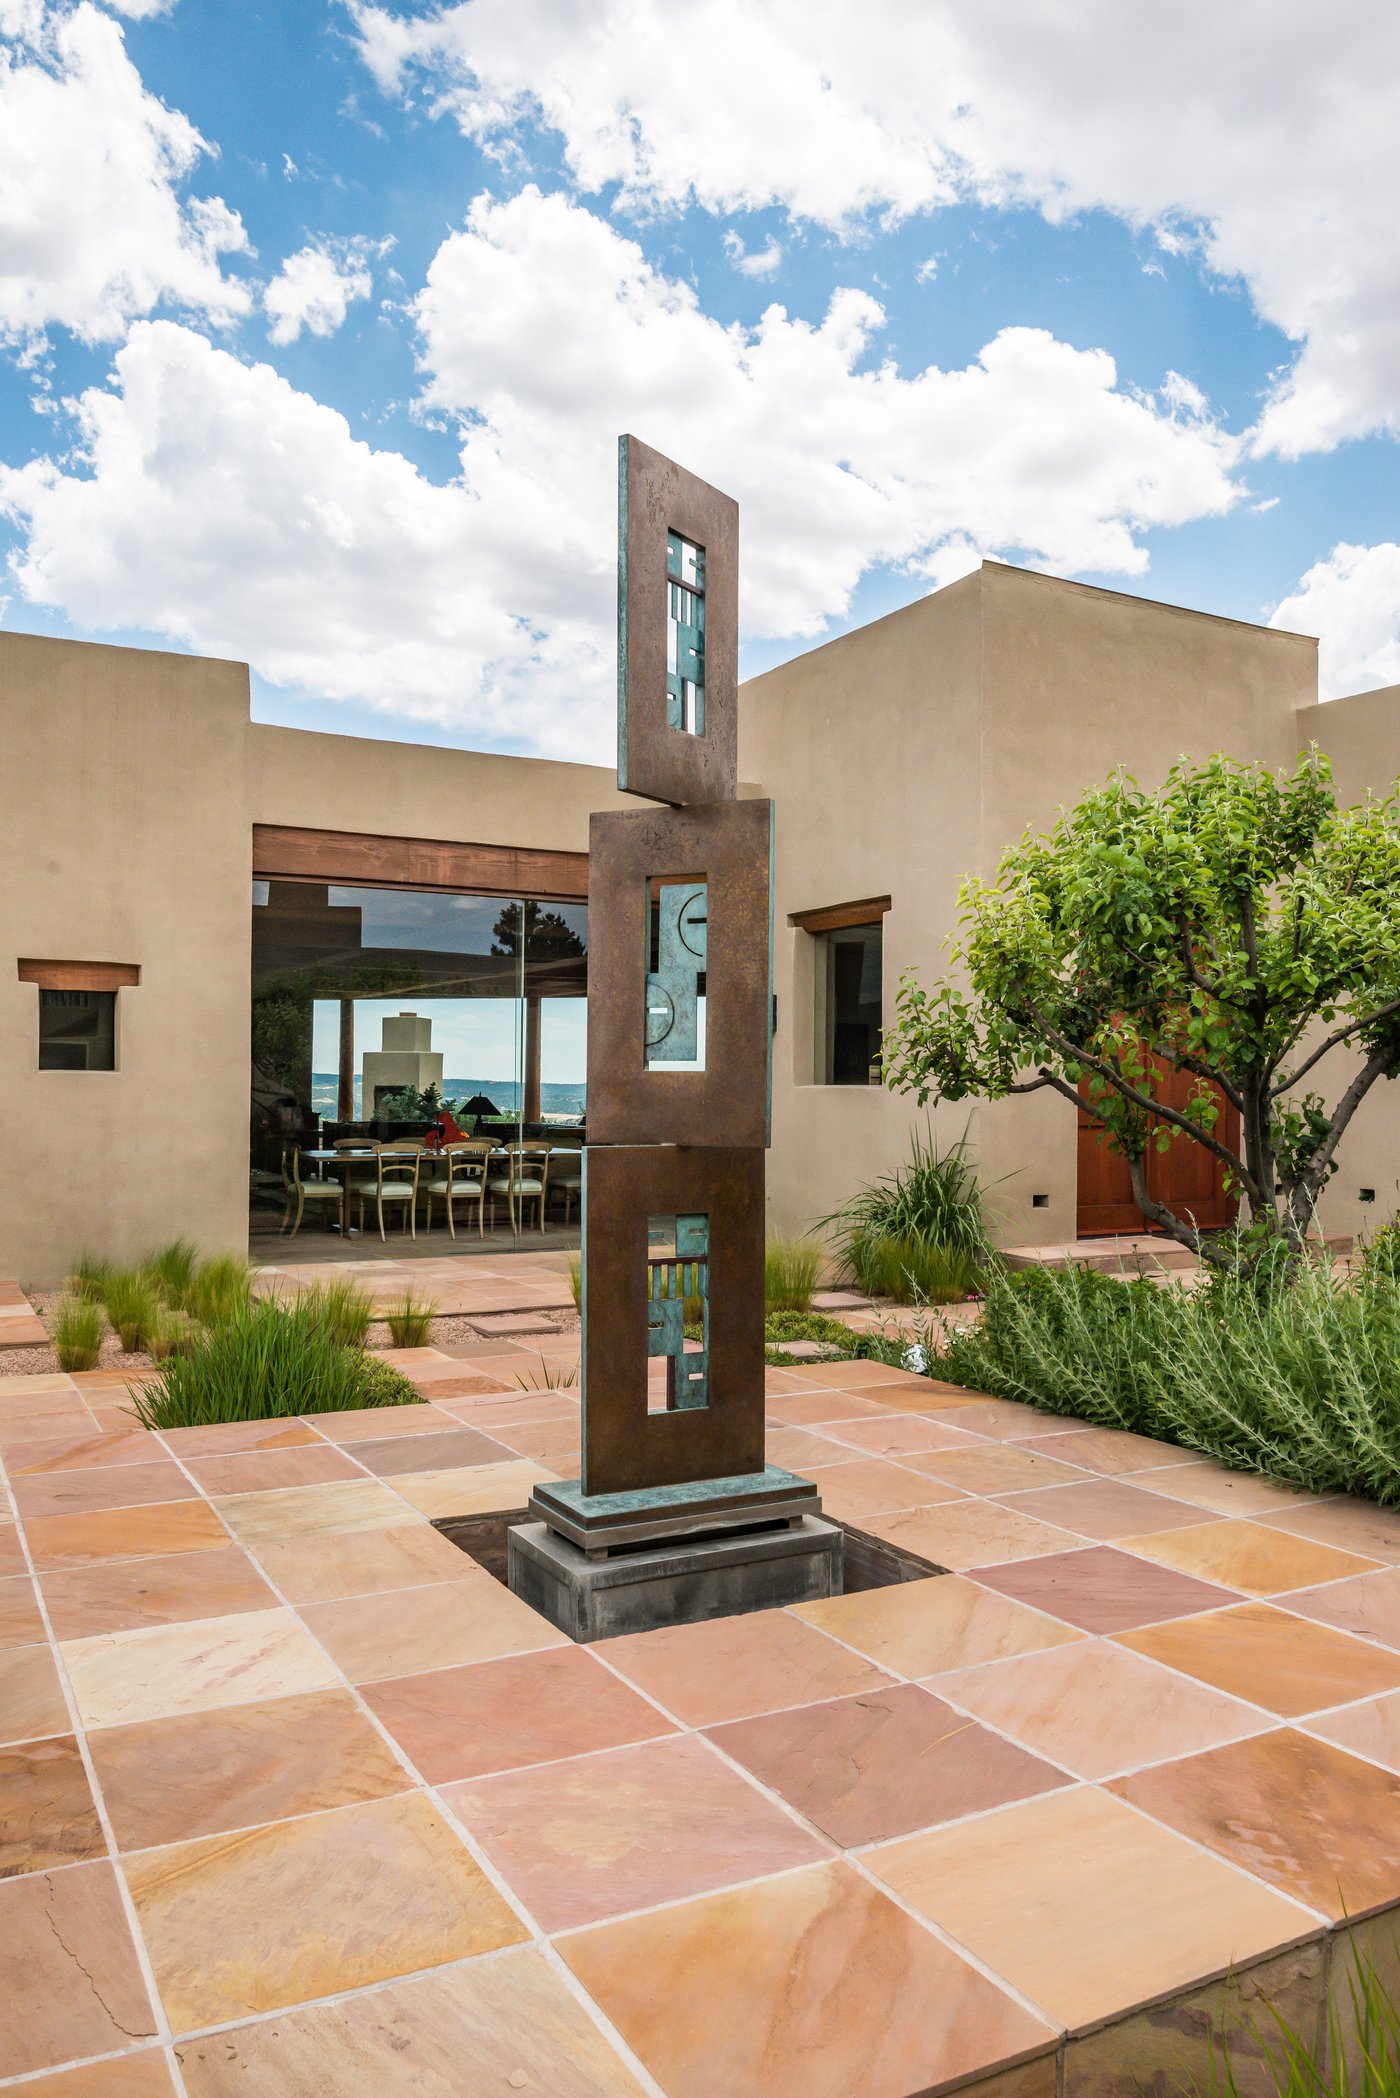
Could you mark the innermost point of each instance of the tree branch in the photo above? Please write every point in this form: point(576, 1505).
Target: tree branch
point(1130, 1093)
point(1156, 1212)
point(1376, 1066)
point(1286, 1085)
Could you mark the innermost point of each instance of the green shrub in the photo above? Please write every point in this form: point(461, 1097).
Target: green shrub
point(267, 1361)
point(89, 1278)
point(1302, 1383)
point(172, 1271)
point(791, 1270)
point(221, 1289)
point(914, 1270)
point(132, 1304)
point(411, 1323)
point(344, 1309)
point(78, 1328)
point(936, 1197)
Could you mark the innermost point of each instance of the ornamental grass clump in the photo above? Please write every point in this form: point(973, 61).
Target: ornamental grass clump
point(913, 1270)
point(1357, 2055)
point(791, 1270)
point(132, 1305)
point(344, 1309)
point(220, 1290)
point(89, 1278)
point(171, 1272)
point(411, 1322)
point(1301, 1380)
point(78, 1329)
point(267, 1361)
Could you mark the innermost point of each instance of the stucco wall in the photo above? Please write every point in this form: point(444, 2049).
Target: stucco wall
point(1361, 736)
point(912, 753)
point(124, 838)
point(413, 790)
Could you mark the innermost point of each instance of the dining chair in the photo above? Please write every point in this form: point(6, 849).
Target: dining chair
point(321, 1194)
point(525, 1179)
point(566, 1175)
point(395, 1182)
point(463, 1180)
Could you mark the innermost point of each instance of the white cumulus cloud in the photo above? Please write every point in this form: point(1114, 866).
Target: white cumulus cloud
point(1351, 601)
point(314, 287)
point(94, 230)
point(1266, 137)
point(209, 500)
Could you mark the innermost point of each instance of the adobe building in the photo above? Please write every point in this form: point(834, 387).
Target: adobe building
point(192, 903)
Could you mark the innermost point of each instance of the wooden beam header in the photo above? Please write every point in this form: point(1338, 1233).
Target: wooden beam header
point(80, 976)
point(837, 917)
point(361, 859)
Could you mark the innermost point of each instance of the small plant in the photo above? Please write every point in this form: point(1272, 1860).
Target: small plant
point(576, 1280)
point(782, 1328)
point(78, 1328)
point(172, 1272)
point(131, 1305)
point(89, 1278)
point(267, 1361)
point(937, 1197)
point(913, 1270)
point(221, 1288)
point(344, 1309)
point(551, 1376)
point(411, 1323)
point(791, 1270)
point(172, 1333)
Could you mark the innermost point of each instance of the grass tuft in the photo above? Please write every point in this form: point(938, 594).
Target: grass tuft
point(89, 1278)
point(914, 1270)
point(1358, 2056)
point(171, 1272)
point(132, 1306)
point(220, 1290)
point(78, 1329)
point(791, 1270)
point(411, 1323)
point(266, 1362)
point(343, 1308)
point(576, 1279)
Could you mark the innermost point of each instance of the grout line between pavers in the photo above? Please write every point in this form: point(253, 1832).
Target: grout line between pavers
point(470, 1843)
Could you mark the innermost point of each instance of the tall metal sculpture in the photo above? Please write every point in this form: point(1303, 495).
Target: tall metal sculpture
point(676, 1514)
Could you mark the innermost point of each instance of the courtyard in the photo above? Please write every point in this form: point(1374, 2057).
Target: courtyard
point(298, 1796)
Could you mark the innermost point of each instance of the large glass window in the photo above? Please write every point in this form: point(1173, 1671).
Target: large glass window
point(849, 988)
point(370, 1006)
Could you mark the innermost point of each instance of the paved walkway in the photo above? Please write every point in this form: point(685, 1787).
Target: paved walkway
point(298, 1800)
point(486, 1284)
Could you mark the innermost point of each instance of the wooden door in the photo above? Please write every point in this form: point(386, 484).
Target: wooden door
point(1184, 1177)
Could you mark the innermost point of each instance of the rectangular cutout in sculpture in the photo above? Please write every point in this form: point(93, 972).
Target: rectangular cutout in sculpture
point(678, 1306)
point(677, 632)
point(677, 938)
point(685, 635)
point(712, 1203)
point(639, 1092)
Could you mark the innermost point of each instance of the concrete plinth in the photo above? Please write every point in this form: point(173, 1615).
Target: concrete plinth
point(681, 1582)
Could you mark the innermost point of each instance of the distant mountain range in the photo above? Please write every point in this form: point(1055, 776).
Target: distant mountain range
point(504, 1093)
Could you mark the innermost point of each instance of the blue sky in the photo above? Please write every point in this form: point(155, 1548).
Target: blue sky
point(1110, 297)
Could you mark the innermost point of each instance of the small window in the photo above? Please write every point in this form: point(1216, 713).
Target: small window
point(77, 1030)
point(849, 986)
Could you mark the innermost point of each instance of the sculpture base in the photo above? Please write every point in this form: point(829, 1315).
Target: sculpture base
point(592, 1596)
point(600, 1523)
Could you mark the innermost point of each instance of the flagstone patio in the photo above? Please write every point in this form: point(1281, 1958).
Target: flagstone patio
point(298, 1800)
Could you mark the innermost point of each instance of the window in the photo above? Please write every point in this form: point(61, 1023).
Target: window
point(848, 984)
point(77, 1030)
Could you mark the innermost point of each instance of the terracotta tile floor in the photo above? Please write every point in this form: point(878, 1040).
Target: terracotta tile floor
point(297, 1800)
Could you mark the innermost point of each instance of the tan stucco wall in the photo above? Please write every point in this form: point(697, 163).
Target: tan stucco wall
point(1361, 736)
point(124, 838)
point(414, 790)
point(913, 752)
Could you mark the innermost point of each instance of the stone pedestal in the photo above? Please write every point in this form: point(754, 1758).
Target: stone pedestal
point(636, 1588)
